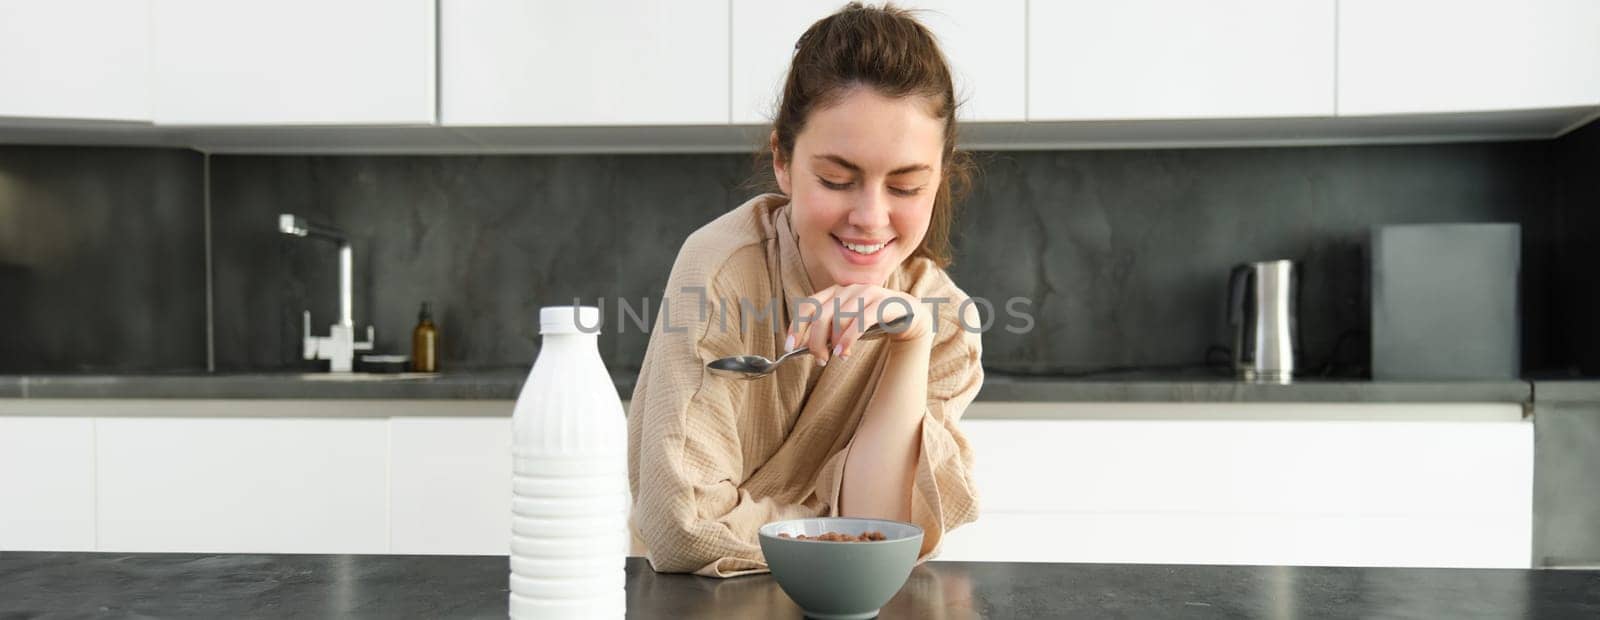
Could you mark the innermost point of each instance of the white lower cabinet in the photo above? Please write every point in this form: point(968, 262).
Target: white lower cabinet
point(450, 485)
point(267, 485)
point(1284, 484)
point(46, 484)
point(1264, 491)
point(1257, 539)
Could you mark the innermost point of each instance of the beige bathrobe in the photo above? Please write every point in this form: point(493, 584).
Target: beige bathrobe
point(711, 459)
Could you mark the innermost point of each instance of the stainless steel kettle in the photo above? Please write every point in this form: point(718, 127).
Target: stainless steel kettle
point(1261, 310)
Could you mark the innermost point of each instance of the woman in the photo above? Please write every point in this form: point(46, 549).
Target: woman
point(863, 151)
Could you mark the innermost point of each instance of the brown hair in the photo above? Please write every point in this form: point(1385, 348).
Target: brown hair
point(888, 50)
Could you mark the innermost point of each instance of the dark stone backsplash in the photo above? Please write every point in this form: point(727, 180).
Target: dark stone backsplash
point(1573, 280)
point(486, 240)
point(102, 260)
point(1125, 253)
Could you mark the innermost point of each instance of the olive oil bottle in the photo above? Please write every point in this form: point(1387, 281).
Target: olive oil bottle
point(425, 343)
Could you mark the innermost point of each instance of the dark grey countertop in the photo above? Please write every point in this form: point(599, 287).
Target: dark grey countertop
point(1156, 388)
point(1567, 390)
point(83, 585)
point(998, 387)
point(468, 385)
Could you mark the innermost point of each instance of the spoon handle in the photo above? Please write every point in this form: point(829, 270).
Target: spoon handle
point(798, 351)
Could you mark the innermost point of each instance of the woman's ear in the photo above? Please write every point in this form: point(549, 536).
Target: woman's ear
point(780, 167)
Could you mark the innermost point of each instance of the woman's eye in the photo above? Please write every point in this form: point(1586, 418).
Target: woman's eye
point(905, 191)
point(831, 185)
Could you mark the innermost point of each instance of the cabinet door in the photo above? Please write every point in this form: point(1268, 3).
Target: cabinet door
point(293, 62)
point(243, 485)
point(984, 43)
point(1440, 541)
point(450, 485)
point(46, 484)
point(1164, 59)
point(1275, 484)
point(557, 62)
point(1414, 56)
point(75, 59)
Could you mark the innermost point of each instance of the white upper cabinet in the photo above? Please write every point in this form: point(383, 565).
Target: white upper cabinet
point(704, 75)
point(1168, 59)
point(293, 62)
point(984, 41)
point(75, 59)
point(560, 62)
point(1418, 56)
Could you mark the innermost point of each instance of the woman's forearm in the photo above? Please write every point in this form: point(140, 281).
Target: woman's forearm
point(882, 462)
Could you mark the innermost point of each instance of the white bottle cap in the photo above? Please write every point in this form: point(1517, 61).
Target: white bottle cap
point(569, 320)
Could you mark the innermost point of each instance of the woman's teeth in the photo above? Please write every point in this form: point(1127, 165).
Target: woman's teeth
point(864, 249)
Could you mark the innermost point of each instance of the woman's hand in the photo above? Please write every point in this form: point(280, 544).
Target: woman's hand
point(832, 325)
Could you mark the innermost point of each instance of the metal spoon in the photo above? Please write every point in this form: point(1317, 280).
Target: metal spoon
point(757, 366)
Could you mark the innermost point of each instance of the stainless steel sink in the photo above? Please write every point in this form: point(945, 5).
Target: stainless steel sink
point(366, 376)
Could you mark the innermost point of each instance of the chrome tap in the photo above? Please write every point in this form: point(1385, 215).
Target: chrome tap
point(340, 345)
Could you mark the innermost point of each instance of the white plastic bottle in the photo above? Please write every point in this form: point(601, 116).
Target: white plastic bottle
point(569, 499)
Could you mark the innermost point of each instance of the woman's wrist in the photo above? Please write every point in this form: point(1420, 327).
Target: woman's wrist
point(912, 343)
point(920, 329)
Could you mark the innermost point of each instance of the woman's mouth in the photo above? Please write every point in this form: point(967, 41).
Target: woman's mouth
point(862, 251)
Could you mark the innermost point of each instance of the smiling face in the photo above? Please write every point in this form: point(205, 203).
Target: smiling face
point(861, 184)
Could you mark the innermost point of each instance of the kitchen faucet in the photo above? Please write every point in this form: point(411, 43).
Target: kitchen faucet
point(340, 345)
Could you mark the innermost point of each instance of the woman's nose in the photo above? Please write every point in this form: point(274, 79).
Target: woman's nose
point(872, 212)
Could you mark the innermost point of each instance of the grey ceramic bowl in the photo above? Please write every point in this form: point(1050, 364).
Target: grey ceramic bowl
point(840, 580)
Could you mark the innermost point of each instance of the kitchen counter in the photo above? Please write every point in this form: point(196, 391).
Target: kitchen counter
point(277, 586)
point(1158, 388)
point(466, 385)
point(1568, 390)
point(998, 387)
